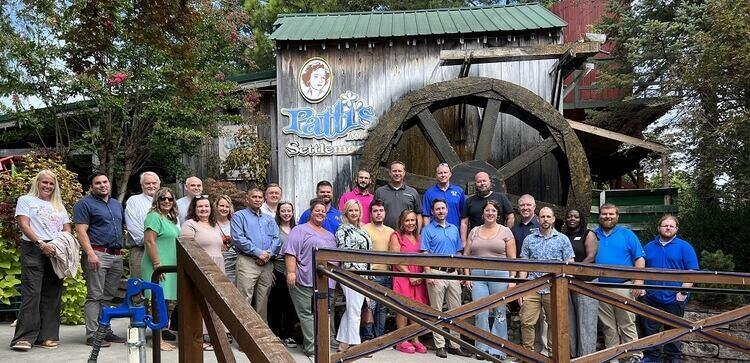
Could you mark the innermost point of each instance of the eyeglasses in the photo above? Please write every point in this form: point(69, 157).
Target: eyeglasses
point(163, 198)
point(673, 227)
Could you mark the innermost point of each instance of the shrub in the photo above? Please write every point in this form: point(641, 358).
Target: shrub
point(213, 188)
point(718, 261)
point(11, 188)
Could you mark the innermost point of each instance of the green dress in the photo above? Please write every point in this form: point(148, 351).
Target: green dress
point(166, 243)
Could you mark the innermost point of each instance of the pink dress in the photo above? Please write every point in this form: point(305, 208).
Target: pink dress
point(401, 285)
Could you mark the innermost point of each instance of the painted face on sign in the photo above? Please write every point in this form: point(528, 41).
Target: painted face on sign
point(318, 79)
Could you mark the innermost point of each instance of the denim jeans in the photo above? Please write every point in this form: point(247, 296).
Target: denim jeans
point(499, 326)
point(379, 312)
point(671, 351)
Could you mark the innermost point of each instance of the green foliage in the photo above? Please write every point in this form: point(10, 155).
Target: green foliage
point(718, 261)
point(151, 75)
point(11, 188)
point(249, 158)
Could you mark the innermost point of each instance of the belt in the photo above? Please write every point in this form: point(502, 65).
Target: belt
point(111, 251)
point(445, 269)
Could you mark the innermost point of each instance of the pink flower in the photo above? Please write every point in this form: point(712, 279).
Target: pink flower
point(117, 78)
point(219, 76)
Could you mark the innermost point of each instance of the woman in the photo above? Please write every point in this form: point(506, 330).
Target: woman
point(223, 210)
point(41, 217)
point(350, 235)
point(160, 241)
point(495, 241)
point(584, 310)
point(407, 240)
point(285, 319)
point(200, 226)
point(298, 256)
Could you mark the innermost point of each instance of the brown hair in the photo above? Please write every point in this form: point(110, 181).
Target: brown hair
point(309, 71)
point(192, 207)
point(402, 218)
point(669, 216)
point(292, 222)
point(172, 214)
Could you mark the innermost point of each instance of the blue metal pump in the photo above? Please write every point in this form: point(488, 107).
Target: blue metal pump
point(134, 308)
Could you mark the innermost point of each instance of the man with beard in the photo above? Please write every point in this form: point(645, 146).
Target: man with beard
point(272, 196)
point(136, 209)
point(618, 246)
point(472, 214)
point(98, 220)
point(361, 193)
point(452, 194)
point(670, 252)
point(193, 188)
point(543, 244)
point(398, 196)
point(324, 191)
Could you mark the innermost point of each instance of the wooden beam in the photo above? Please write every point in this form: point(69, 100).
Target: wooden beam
point(507, 54)
point(437, 139)
point(650, 145)
point(190, 342)
point(483, 147)
point(529, 156)
point(559, 301)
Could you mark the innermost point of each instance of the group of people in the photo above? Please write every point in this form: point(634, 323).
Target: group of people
point(256, 243)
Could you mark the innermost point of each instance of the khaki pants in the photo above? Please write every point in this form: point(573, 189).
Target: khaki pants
point(255, 281)
point(530, 312)
point(448, 292)
point(618, 326)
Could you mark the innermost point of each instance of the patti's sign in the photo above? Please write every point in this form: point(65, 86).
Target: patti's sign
point(349, 113)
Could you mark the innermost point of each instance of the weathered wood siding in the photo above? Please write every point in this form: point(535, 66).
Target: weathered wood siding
point(384, 73)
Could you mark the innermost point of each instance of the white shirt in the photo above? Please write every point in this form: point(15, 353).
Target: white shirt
point(136, 209)
point(43, 219)
point(265, 209)
point(182, 208)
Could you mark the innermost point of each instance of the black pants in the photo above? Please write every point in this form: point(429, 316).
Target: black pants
point(649, 327)
point(41, 292)
point(282, 317)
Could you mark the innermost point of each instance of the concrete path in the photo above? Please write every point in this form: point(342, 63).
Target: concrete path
point(72, 349)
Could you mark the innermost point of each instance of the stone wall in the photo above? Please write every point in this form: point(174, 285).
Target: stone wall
point(700, 350)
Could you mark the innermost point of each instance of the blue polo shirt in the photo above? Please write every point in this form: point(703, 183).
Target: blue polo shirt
point(621, 247)
point(330, 224)
point(441, 240)
point(678, 254)
point(454, 197)
point(103, 218)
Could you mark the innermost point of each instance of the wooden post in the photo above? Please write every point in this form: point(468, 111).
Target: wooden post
point(190, 344)
point(560, 337)
point(322, 324)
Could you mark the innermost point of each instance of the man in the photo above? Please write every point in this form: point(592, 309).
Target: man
point(398, 196)
point(528, 223)
point(442, 238)
point(98, 225)
point(543, 244)
point(443, 189)
point(324, 190)
point(272, 197)
point(472, 214)
point(380, 235)
point(136, 209)
point(193, 188)
point(618, 246)
point(361, 193)
point(670, 252)
point(256, 239)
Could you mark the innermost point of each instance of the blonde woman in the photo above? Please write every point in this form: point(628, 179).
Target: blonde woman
point(41, 217)
point(350, 235)
point(160, 239)
point(223, 210)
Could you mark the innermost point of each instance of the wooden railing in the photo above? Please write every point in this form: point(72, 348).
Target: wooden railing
point(560, 277)
point(205, 294)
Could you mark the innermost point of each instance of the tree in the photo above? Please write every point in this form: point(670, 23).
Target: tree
point(129, 81)
point(697, 51)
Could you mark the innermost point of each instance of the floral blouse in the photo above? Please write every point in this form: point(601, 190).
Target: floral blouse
point(353, 238)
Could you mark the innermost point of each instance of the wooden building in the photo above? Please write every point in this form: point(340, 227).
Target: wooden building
point(371, 61)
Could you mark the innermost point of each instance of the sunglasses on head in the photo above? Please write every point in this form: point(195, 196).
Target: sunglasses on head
point(199, 197)
point(163, 198)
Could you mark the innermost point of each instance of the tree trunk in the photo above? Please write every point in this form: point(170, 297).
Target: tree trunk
point(706, 151)
point(123, 182)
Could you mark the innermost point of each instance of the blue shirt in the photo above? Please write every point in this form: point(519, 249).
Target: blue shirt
point(330, 224)
point(454, 197)
point(621, 247)
point(441, 240)
point(555, 247)
point(254, 233)
point(678, 254)
point(103, 218)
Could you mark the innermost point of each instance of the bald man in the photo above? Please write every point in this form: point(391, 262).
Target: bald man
point(472, 213)
point(193, 188)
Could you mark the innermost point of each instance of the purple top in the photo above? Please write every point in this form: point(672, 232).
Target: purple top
point(301, 243)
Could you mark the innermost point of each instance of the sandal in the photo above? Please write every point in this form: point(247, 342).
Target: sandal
point(21, 346)
point(167, 347)
point(405, 347)
point(207, 347)
point(47, 344)
point(419, 347)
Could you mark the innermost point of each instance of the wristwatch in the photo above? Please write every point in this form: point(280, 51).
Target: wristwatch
point(38, 242)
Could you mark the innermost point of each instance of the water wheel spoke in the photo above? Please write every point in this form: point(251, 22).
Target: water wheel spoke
point(527, 158)
point(437, 139)
point(487, 132)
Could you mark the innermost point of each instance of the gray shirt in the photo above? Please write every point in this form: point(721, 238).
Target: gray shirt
point(136, 209)
point(396, 201)
point(182, 208)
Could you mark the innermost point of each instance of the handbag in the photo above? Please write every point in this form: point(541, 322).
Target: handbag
point(366, 317)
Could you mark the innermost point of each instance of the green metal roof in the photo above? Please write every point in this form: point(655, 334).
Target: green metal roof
point(435, 22)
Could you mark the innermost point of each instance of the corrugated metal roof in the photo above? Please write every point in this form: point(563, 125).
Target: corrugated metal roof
point(458, 21)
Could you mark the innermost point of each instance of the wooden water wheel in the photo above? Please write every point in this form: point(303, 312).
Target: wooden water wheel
point(495, 97)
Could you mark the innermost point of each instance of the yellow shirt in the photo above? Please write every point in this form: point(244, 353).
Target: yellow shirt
point(380, 238)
